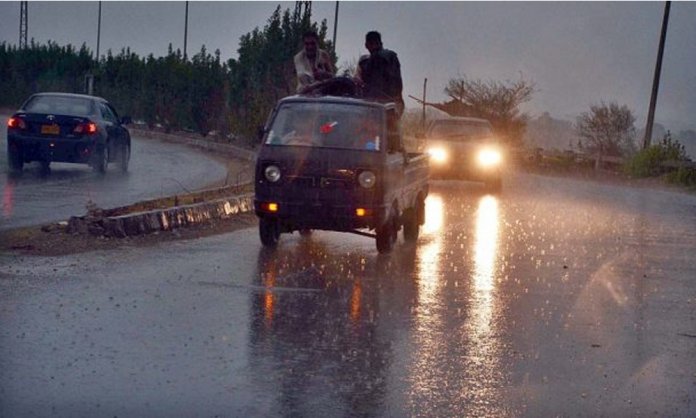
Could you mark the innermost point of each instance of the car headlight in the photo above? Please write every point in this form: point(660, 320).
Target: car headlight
point(367, 179)
point(439, 155)
point(272, 173)
point(489, 157)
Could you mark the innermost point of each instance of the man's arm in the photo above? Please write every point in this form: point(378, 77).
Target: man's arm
point(305, 76)
point(394, 73)
point(325, 69)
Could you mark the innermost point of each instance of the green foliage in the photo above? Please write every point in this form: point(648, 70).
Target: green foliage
point(264, 71)
point(650, 162)
point(682, 176)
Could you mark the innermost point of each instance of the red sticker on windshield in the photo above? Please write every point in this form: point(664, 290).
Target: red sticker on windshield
point(327, 128)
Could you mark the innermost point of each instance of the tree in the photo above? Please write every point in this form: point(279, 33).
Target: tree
point(264, 70)
point(607, 130)
point(496, 101)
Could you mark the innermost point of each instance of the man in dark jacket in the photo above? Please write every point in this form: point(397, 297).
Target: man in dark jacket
point(379, 73)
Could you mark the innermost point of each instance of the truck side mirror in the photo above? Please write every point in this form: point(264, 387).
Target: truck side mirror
point(260, 132)
point(394, 143)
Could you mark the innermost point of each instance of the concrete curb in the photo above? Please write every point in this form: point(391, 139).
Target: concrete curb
point(233, 150)
point(161, 219)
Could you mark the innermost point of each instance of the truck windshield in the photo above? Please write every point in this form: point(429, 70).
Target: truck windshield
point(327, 125)
point(457, 130)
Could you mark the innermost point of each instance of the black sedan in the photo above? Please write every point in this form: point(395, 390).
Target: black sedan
point(71, 128)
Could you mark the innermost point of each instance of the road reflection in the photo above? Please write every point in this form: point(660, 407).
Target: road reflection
point(348, 332)
point(314, 342)
point(484, 336)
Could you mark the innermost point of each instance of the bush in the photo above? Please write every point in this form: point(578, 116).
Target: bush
point(650, 162)
point(682, 176)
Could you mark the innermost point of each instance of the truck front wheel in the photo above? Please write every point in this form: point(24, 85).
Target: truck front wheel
point(269, 231)
point(386, 235)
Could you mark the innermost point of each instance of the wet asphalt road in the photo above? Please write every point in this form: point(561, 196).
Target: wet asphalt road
point(156, 169)
point(558, 297)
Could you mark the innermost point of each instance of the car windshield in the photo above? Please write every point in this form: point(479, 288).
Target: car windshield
point(327, 125)
point(61, 105)
point(455, 129)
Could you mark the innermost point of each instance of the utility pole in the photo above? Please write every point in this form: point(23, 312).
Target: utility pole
point(186, 31)
point(99, 30)
point(23, 23)
point(656, 79)
point(335, 27)
point(425, 85)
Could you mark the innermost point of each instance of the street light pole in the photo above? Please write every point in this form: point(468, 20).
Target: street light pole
point(186, 30)
point(656, 79)
point(99, 29)
point(335, 27)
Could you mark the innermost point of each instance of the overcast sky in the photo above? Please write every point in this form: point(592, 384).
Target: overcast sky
point(577, 53)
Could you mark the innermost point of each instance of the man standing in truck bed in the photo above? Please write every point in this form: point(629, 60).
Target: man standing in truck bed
point(380, 73)
point(312, 64)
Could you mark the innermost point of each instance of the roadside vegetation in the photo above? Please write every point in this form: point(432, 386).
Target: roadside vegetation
point(666, 159)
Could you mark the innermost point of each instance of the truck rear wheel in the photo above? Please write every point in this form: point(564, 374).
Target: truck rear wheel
point(413, 219)
point(269, 232)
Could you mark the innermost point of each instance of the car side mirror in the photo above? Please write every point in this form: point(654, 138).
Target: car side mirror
point(126, 120)
point(260, 132)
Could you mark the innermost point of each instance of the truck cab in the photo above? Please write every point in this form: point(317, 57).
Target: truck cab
point(338, 164)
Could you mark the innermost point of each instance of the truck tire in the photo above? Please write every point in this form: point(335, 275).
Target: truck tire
point(269, 232)
point(411, 225)
point(386, 235)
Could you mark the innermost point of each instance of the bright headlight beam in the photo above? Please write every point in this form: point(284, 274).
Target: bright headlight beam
point(489, 157)
point(438, 155)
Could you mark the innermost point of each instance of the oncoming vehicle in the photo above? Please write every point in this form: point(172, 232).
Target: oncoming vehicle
point(336, 163)
point(70, 128)
point(465, 148)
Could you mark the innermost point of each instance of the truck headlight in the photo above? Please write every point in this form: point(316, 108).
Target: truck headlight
point(272, 173)
point(489, 157)
point(439, 155)
point(367, 179)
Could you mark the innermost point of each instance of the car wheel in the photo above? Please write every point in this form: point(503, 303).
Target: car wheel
point(101, 159)
point(269, 232)
point(386, 235)
point(124, 158)
point(16, 161)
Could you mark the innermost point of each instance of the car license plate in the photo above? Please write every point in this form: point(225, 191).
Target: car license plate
point(50, 129)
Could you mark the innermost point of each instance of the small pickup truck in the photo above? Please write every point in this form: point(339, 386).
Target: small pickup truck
point(338, 164)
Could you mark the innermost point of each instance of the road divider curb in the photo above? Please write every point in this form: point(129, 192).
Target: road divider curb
point(147, 222)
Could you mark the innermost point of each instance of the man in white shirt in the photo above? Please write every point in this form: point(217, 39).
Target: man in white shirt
point(312, 64)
